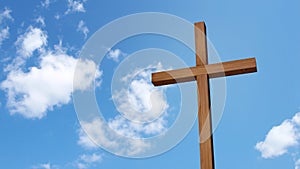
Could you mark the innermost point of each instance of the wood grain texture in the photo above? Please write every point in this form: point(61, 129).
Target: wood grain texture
point(204, 114)
point(202, 72)
point(200, 44)
point(204, 123)
point(212, 70)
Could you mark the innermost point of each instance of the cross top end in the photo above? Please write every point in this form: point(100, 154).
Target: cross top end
point(202, 67)
point(201, 73)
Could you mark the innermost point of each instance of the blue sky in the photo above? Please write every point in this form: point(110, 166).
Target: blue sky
point(40, 45)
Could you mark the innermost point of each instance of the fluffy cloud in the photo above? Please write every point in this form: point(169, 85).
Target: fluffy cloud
point(75, 6)
point(86, 72)
point(33, 39)
point(280, 138)
point(146, 101)
point(139, 100)
point(103, 135)
point(33, 93)
point(82, 28)
point(142, 103)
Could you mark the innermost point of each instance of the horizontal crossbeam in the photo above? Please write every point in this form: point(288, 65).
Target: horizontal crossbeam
point(213, 70)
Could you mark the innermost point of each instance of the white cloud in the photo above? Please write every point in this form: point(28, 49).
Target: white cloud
point(115, 54)
point(280, 138)
point(75, 6)
point(102, 135)
point(82, 28)
point(31, 92)
point(40, 20)
point(142, 103)
point(4, 30)
point(42, 166)
point(84, 161)
point(131, 129)
point(297, 164)
point(139, 100)
point(45, 3)
point(33, 39)
point(92, 158)
point(87, 72)
point(4, 34)
point(97, 131)
point(296, 119)
point(6, 14)
point(50, 84)
point(85, 141)
point(87, 160)
point(57, 16)
point(145, 101)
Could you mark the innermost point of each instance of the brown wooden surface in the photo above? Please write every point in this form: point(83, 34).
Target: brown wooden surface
point(204, 115)
point(213, 70)
point(201, 73)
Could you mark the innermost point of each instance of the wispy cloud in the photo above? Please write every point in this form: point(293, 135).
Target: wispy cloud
point(101, 134)
point(85, 141)
point(40, 20)
point(84, 161)
point(4, 29)
point(144, 105)
point(115, 54)
point(81, 27)
point(43, 166)
point(281, 139)
point(45, 3)
point(297, 164)
point(75, 6)
point(57, 16)
point(4, 34)
point(88, 160)
point(6, 14)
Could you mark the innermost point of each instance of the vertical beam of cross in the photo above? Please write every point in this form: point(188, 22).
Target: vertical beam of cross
point(204, 114)
point(201, 73)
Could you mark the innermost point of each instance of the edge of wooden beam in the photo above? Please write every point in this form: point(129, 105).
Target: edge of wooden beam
point(213, 70)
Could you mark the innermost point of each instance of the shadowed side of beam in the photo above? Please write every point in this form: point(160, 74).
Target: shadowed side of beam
point(213, 70)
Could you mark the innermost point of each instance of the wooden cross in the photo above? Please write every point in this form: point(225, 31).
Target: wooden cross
point(201, 73)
